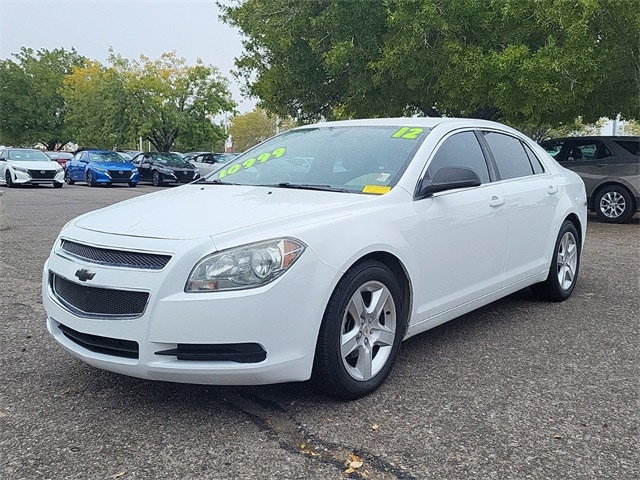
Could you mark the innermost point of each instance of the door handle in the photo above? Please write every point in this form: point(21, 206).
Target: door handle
point(497, 201)
point(552, 189)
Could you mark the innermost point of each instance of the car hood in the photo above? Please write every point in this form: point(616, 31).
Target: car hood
point(197, 211)
point(36, 165)
point(113, 166)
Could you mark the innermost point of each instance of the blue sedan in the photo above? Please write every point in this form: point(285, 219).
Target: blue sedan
point(100, 167)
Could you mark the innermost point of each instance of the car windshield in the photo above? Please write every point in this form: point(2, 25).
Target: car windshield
point(28, 156)
point(363, 159)
point(172, 159)
point(106, 157)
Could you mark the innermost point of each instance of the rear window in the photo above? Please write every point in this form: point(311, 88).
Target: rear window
point(631, 146)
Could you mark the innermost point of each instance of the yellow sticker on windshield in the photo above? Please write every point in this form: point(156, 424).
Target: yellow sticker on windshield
point(377, 189)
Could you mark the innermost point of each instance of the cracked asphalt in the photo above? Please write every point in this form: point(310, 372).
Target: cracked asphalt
point(520, 389)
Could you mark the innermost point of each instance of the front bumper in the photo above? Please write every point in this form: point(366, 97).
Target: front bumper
point(281, 319)
point(29, 178)
point(127, 176)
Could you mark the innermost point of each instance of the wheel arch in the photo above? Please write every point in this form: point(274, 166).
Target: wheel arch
point(573, 218)
point(400, 272)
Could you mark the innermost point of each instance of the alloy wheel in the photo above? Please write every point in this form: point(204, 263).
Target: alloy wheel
point(567, 260)
point(368, 331)
point(612, 204)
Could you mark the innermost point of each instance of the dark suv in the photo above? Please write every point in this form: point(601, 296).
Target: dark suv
point(610, 169)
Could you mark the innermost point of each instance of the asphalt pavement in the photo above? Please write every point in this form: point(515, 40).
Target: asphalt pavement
point(520, 389)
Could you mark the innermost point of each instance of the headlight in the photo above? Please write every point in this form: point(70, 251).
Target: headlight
point(165, 171)
point(20, 169)
point(58, 170)
point(135, 170)
point(100, 169)
point(243, 267)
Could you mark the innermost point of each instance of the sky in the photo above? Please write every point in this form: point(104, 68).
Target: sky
point(191, 28)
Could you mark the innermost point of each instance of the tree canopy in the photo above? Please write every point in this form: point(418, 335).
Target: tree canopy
point(253, 127)
point(31, 105)
point(167, 102)
point(524, 62)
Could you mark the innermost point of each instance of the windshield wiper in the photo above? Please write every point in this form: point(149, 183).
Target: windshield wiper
point(307, 186)
point(217, 181)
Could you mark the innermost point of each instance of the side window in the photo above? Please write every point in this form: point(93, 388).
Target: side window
point(460, 150)
point(533, 160)
point(632, 146)
point(587, 151)
point(509, 155)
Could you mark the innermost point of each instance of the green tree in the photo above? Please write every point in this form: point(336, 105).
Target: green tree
point(530, 63)
point(167, 102)
point(253, 127)
point(96, 104)
point(32, 109)
point(168, 99)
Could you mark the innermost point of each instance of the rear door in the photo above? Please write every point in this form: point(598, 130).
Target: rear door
point(591, 159)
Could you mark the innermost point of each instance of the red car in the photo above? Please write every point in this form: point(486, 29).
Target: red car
point(60, 157)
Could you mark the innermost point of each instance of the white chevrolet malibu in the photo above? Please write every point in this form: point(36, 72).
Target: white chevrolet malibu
point(314, 254)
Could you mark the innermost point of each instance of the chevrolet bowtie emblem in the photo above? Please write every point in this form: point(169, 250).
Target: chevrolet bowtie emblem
point(83, 274)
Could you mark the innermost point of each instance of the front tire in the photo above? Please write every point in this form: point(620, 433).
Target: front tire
point(67, 178)
point(361, 332)
point(9, 179)
point(565, 264)
point(90, 180)
point(614, 204)
point(133, 184)
point(57, 184)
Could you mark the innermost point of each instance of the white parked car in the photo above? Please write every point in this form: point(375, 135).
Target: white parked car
point(207, 162)
point(28, 166)
point(314, 254)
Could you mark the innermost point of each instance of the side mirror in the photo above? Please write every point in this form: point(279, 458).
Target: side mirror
point(449, 178)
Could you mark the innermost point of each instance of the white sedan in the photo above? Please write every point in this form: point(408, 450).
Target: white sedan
point(28, 166)
point(314, 254)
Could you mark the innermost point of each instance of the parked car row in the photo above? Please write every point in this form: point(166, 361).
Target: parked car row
point(28, 166)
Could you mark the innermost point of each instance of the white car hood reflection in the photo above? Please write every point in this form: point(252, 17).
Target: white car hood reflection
point(197, 211)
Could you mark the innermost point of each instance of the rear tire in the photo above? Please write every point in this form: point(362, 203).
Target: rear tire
point(614, 204)
point(361, 332)
point(565, 265)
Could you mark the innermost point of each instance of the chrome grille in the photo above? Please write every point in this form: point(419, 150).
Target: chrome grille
point(116, 258)
point(90, 301)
